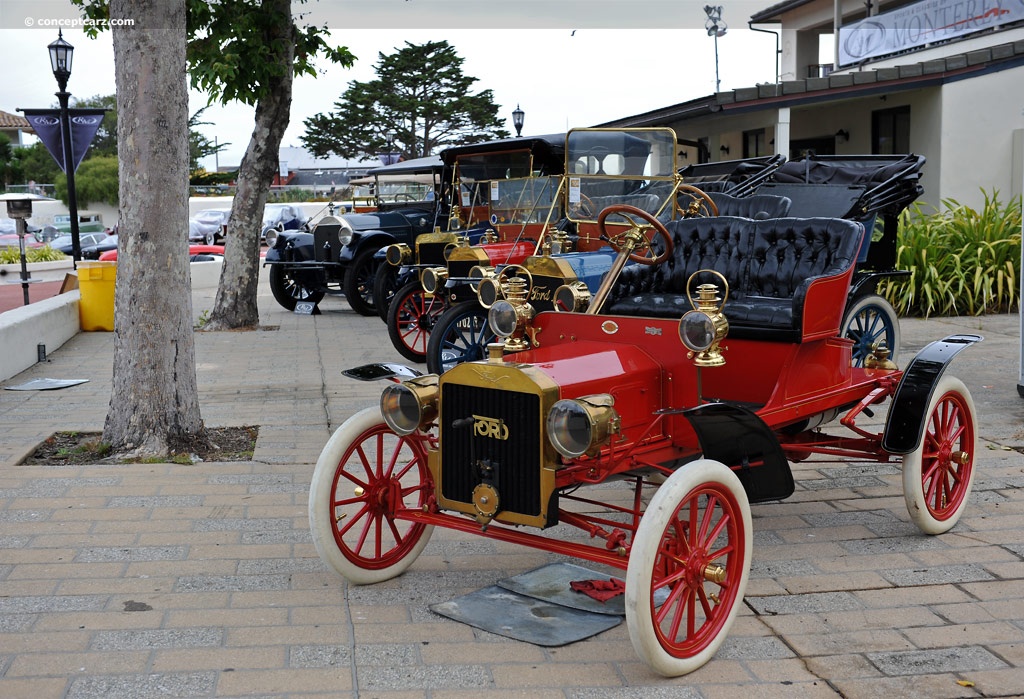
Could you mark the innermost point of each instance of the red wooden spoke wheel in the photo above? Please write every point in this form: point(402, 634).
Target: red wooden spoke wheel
point(688, 568)
point(938, 475)
point(411, 316)
point(364, 477)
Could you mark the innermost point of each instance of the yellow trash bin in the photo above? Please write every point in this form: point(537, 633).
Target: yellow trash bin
point(96, 288)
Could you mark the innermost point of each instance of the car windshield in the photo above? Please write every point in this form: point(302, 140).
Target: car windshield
point(210, 216)
point(522, 200)
point(608, 167)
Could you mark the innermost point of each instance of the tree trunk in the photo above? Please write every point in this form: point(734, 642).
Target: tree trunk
point(235, 305)
point(154, 405)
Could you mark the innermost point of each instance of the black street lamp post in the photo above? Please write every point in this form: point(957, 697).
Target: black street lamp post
point(517, 120)
point(61, 53)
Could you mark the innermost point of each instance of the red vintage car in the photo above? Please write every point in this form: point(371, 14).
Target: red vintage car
point(694, 376)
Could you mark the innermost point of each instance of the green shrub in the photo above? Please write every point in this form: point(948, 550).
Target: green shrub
point(961, 261)
point(12, 255)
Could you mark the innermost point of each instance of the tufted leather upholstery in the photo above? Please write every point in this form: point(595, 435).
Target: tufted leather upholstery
point(758, 206)
point(770, 266)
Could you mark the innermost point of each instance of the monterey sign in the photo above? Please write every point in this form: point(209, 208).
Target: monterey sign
point(922, 23)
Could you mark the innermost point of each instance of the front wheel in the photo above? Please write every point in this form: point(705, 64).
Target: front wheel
point(688, 568)
point(210, 238)
point(365, 477)
point(870, 321)
point(359, 283)
point(411, 319)
point(938, 475)
point(288, 291)
point(460, 335)
point(385, 284)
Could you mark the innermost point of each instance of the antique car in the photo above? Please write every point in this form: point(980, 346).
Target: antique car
point(501, 189)
point(606, 167)
point(337, 256)
point(691, 382)
point(503, 195)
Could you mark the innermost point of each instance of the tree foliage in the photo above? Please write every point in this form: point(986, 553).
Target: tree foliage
point(233, 54)
point(420, 96)
point(96, 179)
point(34, 164)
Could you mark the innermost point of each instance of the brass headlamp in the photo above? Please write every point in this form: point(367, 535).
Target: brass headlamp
point(704, 328)
point(433, 279)
point(557, 243)
point(578, 426)
point(509, 317)
point(410, 405)
point(573, 297)
point(493, 287)
point(398, 254)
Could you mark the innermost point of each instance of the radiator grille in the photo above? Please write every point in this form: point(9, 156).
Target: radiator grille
point(518, 457)
point(432, 253)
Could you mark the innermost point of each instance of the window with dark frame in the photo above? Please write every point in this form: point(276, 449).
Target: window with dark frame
point(754, 143)
point(890, 131)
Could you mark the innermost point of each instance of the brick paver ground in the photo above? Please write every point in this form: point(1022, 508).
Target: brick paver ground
point(158, 580)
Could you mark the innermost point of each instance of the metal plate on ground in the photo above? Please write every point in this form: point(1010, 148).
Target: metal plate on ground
point(551, 583)
point(45, 384)
point(523, 618)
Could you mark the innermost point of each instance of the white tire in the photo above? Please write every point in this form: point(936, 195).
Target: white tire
point(365, 474)
point(938, 475)
point(694, 543)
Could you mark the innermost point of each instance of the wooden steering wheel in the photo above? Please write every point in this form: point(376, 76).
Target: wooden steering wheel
point(585, 208)
point(700, 203)
point(635, 237)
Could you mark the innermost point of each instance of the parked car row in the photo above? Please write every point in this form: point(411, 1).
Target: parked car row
point(210, 225)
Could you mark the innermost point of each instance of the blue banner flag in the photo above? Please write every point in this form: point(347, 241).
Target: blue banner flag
point(84, 125)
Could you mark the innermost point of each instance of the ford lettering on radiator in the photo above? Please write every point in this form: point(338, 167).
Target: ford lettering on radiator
point(490, 427)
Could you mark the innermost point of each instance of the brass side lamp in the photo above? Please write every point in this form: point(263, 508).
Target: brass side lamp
point(703, 328)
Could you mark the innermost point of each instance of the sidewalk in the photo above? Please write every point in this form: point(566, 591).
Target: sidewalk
point(156, 580)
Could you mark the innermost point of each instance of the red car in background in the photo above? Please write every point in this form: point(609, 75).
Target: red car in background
point(205, 252)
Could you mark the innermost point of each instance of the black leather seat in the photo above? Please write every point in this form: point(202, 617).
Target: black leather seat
point(758, 206)
point(771, 265)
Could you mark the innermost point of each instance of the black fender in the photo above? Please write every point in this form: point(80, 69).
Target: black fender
point(904, 426)
point(741, 440)
point(292, 247)
point(866, 282)
point(376, 372)
point(365, 240)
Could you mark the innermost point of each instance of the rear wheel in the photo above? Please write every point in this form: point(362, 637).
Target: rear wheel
point(938, 475)
point(366, 475)
point(288, 291)
point(385, 284)
point(460, 335)
point(869, 321)
point(411, 319)
point(688, 568)
point(359, 283)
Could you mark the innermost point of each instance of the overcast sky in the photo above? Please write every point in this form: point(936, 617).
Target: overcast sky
point(565, 63)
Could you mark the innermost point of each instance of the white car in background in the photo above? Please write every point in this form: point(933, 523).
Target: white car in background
point(208, 226)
